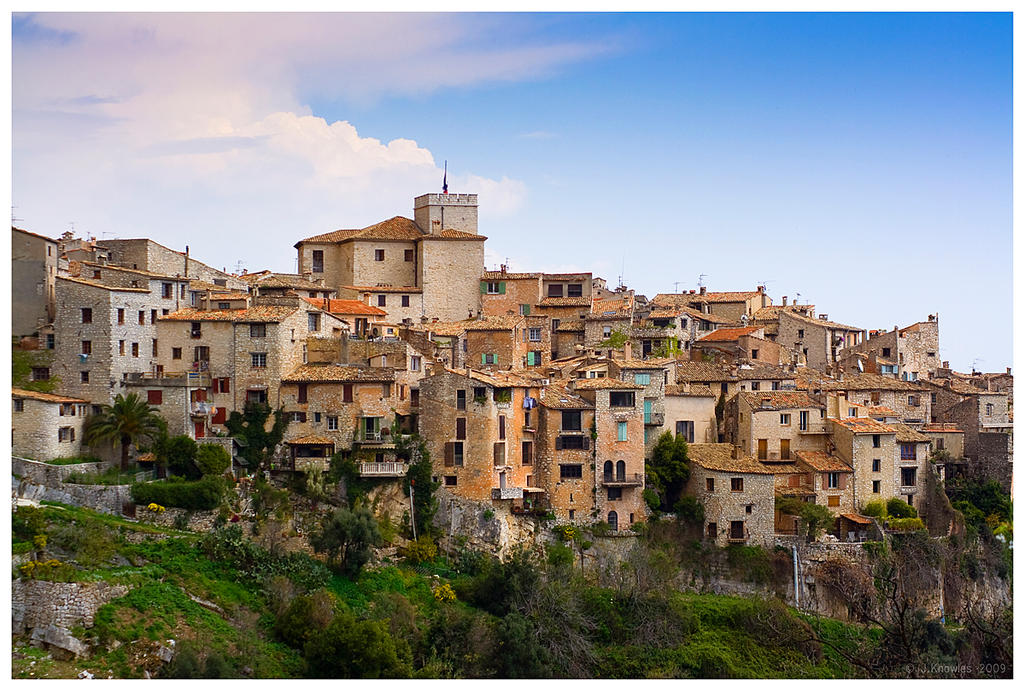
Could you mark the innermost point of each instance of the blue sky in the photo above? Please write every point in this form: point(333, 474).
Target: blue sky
point(860, 160)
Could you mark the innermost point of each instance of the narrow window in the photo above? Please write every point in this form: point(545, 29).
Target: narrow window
point(87, 315)
point(378, 255)
point(736, 484)
point(408, 255)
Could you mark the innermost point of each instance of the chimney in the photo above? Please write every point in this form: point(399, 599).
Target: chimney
point(931, 317)
point(734, 453)
point(823, 317)
point(760, 289)
point(1007, 370)
point(785, 299)
point(703, 290)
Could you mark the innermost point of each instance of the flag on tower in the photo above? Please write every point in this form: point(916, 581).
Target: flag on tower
point(444, 186)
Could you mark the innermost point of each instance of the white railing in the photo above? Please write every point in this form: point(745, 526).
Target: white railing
point(383, 468)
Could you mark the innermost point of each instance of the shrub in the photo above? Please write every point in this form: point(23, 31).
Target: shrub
point(423, 550)
point(652, 499)
point(198, 495)
point(875, 509)
point(212, 459)
point(601, 529)
point(559, 554)
point(566, 532)
point(689, 511)
point(906, 525)
point(488, 515)
point(897, 508)
point(443, 593)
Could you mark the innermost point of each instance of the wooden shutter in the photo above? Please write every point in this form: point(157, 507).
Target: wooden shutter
point(302, 397)
point(501, 287)
point(346, 393)
point(499, 453)
point(449, 454)
point(794, 480)
point(483, 358)
point(842, 480)
point(558, 443)
point(460, 428)
point(483, 286)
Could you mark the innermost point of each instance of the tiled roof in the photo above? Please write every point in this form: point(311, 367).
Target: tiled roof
point(339, 373)
point(823, 462)
point(451, 234)
point(820, 322)
point(288, 281)
point(47, 397)
point(604, 383)
point(498, 378)
point(564, 302)
point(940, 427)
point(875, 410)
point(256, 314)
point(94, 284)
point(696, 390)
point(763, 372)
point(863, 425)
point(871, 382)
point(396, 228)
point(311, 439)
point(729, 334)
point(719, 457)
point(651, 363)
point(905, 433)
point(771, 312)
point(346, 307)
point(611, 307)
point(959, 386)
point(494, 323)
point(385, 289)
point(503, 276)
point(440, 328)
point(559, 397)
point(778, 400)
point(125, 269)
point(582, 276)
point(694, 298)
point(570, 325)
point(702, 372)
point(29, 232)
point(197, 284)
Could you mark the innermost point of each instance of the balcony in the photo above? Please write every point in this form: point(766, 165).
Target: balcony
point(383, 469)
point(654, 419)
point(196, 380)
point(507, 493)
point(623, 480)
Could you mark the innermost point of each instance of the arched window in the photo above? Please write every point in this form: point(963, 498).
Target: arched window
point(607, 471)
point(613, 520)
point(620, 471)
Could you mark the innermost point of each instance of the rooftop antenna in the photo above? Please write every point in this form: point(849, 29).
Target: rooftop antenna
point(14, 219)
point(700, 280)
point(796, 298)
point(241, 265)
point(675, 286)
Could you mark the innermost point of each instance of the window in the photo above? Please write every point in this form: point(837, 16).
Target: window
point(784, 419)
point(606, 331)
point(876, 441)
point(534, 357)
point(753, 353)
point(832, 480)
point(684, 428)
point(155, 396)
point(303, 394)
point(451, 480)
point(576, 441)
point(524, 309)
point(409, 256)
point(489, 358)
point(574, 290)
point(614, 493)
point(460, 428)
point(800, 335)
point(460, 399)
point(494, 288)
point(120, 347)
point(156, 347)
point(197, 329)
point(784, 449)
point(318, 261)
point(378, 255)
point(534, 333)
point(527, 453)
point(142, 317)
point(643, 379)
point(316, 417)
point(297, 416)
point(876, 465)
point(908, 477)
point(833, 500)
point(762, 449)
point(405, 301)
point(912, 400)
point(19, 405)
point(709, 483)
point(332, 423)
point(622, 429)
point(458, 452)
point(135, 350)
point(712, 531)
point(908, 452)
point(222, 385)
point(876, 486)
point(568, 472)
point(755, 386)
point(67, 409)
point(347, 391)
point(501, 427)
point(85, 376)
point(622, 399)
point(555, 290)
point(257, 330)
point(166, 291)
point(886, 352)
point(165, 312)
point(87, 315)
point(259, 359)
point(851, 412)
point(51, 342)
point(572, 421)
point(120, 316)
point(313, 319)
point(382, 300)
point(736, 484)
point(414, 363)
point(86, 347)
point(66, 434)
point(750, 508)
point(988, 408)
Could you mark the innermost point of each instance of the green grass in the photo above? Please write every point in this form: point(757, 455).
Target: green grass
point(74, 460)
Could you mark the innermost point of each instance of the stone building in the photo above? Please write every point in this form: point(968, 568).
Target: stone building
point(147, 255)
point(774, 425)
point(33, 282)
point(737, 493)
point(869, 447)
point(817, 477)
point(655, 375)
point(269, 283)
point(46, 426)
point(608, 317)
point(910, 400)
point(509, 342)
point(565, 453)
point(559, 296)
point(107, 332)
point(735, 345)
point(414, 269)
point(690, 412)
point(817, 341)
point(988, 435)
point(912, 452)
point(731, 306)
point(914, 349)
point(362, 319)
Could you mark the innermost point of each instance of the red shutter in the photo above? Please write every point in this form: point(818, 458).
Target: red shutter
point(842, 480)
point(220, 416)
point(449, 453)
point(346, 393)
point(154, 397)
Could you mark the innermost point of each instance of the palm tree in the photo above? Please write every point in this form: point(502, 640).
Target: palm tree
point(129, 421)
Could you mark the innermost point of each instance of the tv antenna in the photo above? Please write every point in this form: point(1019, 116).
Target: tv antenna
point(675, 285)
point(700, 280)
point(14, 219)
point(241, 265)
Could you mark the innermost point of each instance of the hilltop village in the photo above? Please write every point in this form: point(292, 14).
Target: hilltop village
point(532, 392)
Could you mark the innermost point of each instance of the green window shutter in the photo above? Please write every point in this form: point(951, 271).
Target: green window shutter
point(529, 358)
point(501, 287)
point(483, 286)
point(526, 310)
point(483, 358)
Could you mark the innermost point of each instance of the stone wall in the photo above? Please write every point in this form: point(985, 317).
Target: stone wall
point(51, 475)
point(36, 429)
point(450, 276)
point(37, 603)
point(103, 498)
point(33, 272)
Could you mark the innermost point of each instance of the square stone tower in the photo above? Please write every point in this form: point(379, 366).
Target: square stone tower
point(437, 212)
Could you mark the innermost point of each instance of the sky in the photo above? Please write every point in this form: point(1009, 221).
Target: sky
point(858, 162)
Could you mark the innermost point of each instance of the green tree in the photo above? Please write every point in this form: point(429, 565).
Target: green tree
point(178, 455)
point(522, 656)
point(420, 476)
point(689, 511)
point(250, 428)
point(669, 468)
point(348, 648)
point(897, 508)
point(212, 459)
point(128, 421)
point(346, 537)
point(815, 518)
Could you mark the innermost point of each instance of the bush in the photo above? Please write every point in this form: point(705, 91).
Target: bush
point(897, 508)
point(566, 532)
point(559, 554)
point(198, 495)
point(875, 508)
point(906, 525)
point(690, 511)
point(212, 459)
point(652, 499)
point(180, 454)
point(423, 550)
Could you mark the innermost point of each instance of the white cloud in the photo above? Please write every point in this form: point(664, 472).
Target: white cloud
point(195, 126)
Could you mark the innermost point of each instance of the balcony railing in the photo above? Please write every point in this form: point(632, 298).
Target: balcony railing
point(623, 480)
point(507, 493)
point(656, 419)
point(383, 469)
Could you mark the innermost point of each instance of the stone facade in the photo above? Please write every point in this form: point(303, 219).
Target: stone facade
point(144, 254)
point(33, 279)
point(915, 348)
point(774, 425)
point(988, 435)
point(911, 401)
point(690, 408)
point(817, 340)
point(46, 426)
point(869, 447)
point(565, 456)
point(451, 269)
point(738, 495)
point(37, 603)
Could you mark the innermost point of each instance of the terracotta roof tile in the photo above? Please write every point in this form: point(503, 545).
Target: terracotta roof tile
point(570, 325)
point(452, 234)
point(94, 284)
point(125, 269)
point(702, 372)
point(604, 383)
point(940, 427)
point(870, 382)
point(396, 228)
point(346, 307)
point(494, 323)
point(876, 410)
point(256, 314)
point(823, 462)
point(651, 363)
point(696, 390)
point(311, 439)
point(559, 397)
point(339, 373)
point(729, 334)
point(906, 433)
point(287, 281)
point(863, 425)
point(820, 322)
point(778, 400)
point(47, 397)
point(565, 302)
point(719, 457)
point(504, 276)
